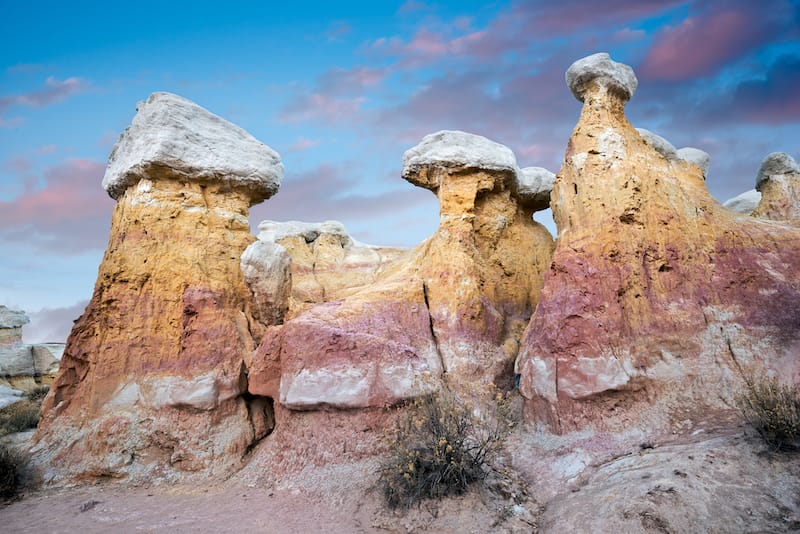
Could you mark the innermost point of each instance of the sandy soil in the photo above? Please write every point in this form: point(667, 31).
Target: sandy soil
point(722, 482)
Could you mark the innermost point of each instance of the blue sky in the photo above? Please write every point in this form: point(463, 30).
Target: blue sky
point(342, 89)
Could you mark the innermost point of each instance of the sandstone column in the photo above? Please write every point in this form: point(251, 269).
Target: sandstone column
point(153, 375)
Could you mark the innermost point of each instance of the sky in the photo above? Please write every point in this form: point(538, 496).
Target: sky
point(342, 89)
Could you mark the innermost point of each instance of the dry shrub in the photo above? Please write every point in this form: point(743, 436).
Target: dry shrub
point(773, 409)
point(11, 471)
point(19, 416)
point(444, 441)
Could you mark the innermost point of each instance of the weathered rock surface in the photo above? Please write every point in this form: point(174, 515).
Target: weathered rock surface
point(745, 203)
point(326, 263)
point(153, 377)
point(722, 483)
point(457, 303)
point(779, 184)
point(657, 298)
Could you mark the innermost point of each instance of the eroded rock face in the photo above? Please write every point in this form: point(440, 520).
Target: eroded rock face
point(326, 263)
point(153, 376)
point(457, 303)
point(657, 298)
point(779, 184)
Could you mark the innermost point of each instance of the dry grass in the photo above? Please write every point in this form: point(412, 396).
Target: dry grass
point(773, 409)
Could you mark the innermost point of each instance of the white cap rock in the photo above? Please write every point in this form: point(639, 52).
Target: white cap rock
point(745, 203)
point(662, 146)
point(774, 164)
point(170, 135)
point(600, 68)
point(696, 156)
point(274, 231)
point(534, 185)
point(12, 318)
point(456, 149)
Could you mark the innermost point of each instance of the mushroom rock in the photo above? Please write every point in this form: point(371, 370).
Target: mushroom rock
point(458, 303)
point(482, 269)
point(326, 262)
point(152, 378)
point(745, 203)
point(534, 186)
point(696, 156)
point(779, 184)
point(657, 297)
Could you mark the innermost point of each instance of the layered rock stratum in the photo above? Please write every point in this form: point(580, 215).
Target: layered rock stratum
point(153, 379)
point(658, 300)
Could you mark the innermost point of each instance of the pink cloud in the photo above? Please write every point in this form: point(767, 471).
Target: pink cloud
point(319, 106)
point(303, 144)
point(54, 90)
point(700, 46)
point(337, 81)
point(69, 214)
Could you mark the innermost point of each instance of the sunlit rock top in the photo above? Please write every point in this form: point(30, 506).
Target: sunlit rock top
point(172, 136)
point(452, 148)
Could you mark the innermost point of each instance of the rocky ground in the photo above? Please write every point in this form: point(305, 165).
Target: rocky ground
point(721, 480)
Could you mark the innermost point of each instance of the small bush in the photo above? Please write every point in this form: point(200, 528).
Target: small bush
point(443, 442)
point(773, 409)
point(19, 416)
point(11, 466)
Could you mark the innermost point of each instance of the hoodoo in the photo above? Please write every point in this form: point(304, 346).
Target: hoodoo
point(153, 378)
point(658, 300)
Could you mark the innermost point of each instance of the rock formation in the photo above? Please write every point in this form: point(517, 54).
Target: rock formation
point(153, 379)
point(23, 365)
point(658, 299)
point(326, 263)
point(457, 303)
point(779, 184)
